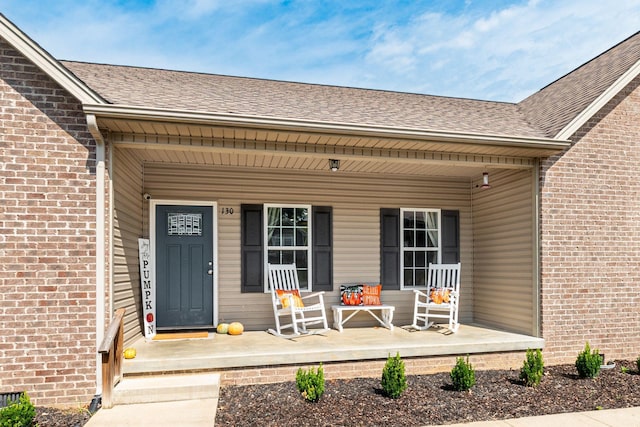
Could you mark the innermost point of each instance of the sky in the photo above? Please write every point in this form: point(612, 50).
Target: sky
point(498, 50)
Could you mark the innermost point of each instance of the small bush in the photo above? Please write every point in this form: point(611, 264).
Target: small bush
point(588, 362)
point(19, 413)
point(310, 383)
point(394, 380)
point(638, 363)
point(463, 375)
point(532, 368)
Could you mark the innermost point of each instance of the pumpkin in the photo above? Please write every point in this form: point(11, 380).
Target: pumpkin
point(129, 353)
point(235, 328)
point(222, 328)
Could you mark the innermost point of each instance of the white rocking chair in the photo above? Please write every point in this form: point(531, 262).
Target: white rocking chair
point(441, 299)
point(288, 301)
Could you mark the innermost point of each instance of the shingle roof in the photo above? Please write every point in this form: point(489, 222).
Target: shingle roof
point(155, 88)
point(556, 105)
point(542, 115)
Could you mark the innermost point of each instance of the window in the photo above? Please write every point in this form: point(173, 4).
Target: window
point(420, 245)
point(288, 238)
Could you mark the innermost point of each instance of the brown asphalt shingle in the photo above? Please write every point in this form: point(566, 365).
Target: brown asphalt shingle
point(154, 88)
point(543, 114)
point(554, 106)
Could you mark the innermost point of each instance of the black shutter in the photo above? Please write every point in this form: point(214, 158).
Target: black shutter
point(322, 251)
point(450, 237)
point(390, 248)
point(252, 260)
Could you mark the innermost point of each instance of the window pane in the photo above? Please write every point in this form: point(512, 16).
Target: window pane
point(287, 237)
point(408, 239)
point(274, 257)
point(287, 257)
point(274, 237)
point(420, 278)
point(432, 257)
point(420, 220)
point(408, 277)
point(421, 259)
point(302, 217)
point(433, 239)
point(301, 237)
point(274, 217)
point(287, 216)
point(421, 239)
point(432, 220)
point(301, 259)
point(408, 259)
point(303, 278)
point(408, 220)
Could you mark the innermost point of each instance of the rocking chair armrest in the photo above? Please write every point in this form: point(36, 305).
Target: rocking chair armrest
point(314, 294)
point(420, 293)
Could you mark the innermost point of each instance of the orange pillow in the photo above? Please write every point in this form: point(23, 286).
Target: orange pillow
point(439, 296)
point(284, 298)
point(371, 294)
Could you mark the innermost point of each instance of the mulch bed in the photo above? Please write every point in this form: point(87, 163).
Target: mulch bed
point(430, 399)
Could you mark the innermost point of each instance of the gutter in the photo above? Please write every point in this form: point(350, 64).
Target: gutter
point(128, 112)
point(100, 241)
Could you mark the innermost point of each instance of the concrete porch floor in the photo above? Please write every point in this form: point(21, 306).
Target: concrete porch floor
point(259, 348)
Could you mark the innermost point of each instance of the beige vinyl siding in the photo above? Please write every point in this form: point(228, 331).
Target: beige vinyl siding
point(503, 234)
point(127, 228)
point(356, 202)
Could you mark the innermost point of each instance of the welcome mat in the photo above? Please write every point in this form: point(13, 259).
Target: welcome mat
point(180, 335)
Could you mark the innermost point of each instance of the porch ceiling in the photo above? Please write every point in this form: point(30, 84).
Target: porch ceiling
point(185, 137)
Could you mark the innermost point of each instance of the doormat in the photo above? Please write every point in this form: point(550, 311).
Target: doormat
point(180, 335)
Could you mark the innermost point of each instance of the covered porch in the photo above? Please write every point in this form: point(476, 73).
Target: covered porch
point(228, 165)
point(258, 357)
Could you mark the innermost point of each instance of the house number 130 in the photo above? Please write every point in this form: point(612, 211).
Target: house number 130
point(226, 211)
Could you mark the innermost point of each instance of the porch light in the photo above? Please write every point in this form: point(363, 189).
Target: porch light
point(485, 181)
point(334, 164)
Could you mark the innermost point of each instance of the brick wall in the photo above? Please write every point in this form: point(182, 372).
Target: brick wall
point(47, 228)
point(369, 368)
point(590, 237)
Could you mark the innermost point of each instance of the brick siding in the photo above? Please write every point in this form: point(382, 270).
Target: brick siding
point(590, 237)
point(47, 244)
point(369, 368)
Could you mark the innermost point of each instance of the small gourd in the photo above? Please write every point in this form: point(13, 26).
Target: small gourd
point(129, 353)
point(235, 328)
point(222, 328)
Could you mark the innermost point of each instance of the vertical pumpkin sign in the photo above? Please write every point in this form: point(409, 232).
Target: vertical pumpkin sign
point(148, 289)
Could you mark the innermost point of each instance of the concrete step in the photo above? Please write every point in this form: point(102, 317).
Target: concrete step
point(165, 388)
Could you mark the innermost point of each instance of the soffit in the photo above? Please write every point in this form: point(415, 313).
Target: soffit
point(155, 132)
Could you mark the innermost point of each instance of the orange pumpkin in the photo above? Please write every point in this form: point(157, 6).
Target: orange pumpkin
point(236, 328)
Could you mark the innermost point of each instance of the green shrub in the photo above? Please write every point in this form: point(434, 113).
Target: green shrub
point(588, 362)
point(638, 363)
point(394, 380)
point(532, 368)
point(462, 375)
point(310, 383)
point(19, 413)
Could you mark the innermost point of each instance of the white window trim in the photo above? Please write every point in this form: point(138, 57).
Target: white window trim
point(267, 247)
point(402, 248)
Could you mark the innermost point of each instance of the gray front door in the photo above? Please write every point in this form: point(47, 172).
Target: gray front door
point(184, 266)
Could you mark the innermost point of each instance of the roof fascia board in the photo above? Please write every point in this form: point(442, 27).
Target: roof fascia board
point(221, 119)
point(599, 102)
point(47, 63)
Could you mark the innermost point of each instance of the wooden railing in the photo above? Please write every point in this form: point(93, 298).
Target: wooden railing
point(111, 350)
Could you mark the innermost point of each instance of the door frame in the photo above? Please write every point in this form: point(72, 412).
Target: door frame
point(152, 238)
